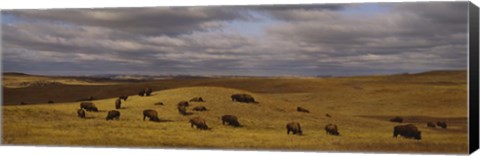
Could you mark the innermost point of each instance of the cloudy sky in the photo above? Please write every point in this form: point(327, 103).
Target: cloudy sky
point(306, 40)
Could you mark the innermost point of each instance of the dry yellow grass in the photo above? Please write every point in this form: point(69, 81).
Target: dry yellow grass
point(360, 106)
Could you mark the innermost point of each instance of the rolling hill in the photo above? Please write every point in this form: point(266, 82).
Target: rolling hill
point(360, 106)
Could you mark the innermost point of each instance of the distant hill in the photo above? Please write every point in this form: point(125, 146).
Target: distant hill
point(14, 73)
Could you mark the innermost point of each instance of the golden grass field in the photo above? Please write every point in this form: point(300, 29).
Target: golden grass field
point(360, 106)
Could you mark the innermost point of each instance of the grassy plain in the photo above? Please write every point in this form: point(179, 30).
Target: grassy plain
point(360, 106)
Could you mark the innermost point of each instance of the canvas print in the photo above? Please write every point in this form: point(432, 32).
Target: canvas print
point(353, 77)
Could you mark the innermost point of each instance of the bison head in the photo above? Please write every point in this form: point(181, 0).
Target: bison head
point(418, 135)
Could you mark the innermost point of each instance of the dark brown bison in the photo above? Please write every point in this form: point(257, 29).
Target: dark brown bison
point(51, 101)
point(199, 108)
point(328, 115)
point(141, 93)
point(123, 97)
point(332, 129)
point(300, 109)
point(118, 103)
point(294, 127)
point(148, 91)
point(199, 123)
point(397, 119)
point(243, 98)
point(81, 113)
point(183, 104)
point(197, 99)
point(158, 103)
point(408, 131)
point(88, 106)
point(151, 114)
point(431, 124)
point(230, 120)
point(23, 103)
point(442, 124)
point(182, 110)
point(113, 114)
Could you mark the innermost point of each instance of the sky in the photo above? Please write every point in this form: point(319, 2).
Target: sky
point(255, 40)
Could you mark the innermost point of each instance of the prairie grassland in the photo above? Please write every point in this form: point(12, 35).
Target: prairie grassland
point(21, 81)
point(360, 106)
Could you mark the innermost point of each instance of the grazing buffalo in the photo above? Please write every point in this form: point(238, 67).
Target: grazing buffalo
point(118, 103)
point(182, 110)
point(408, 131)
point(197, 99)
point(23, 103)
point(442, 124)
point(158, 103)
point(230, 120)
point(113, 114)
point(151, 114)
point(50, 101)
point(141, 93)
point(332, 129)
point(243, 98)
point(199, 123)
point(89, 106)
point(397, 119)
point(294, 127)
point(148, 91)
point(199, 108)
point(183, 104)
point(431, 124)
point(300, 109)
point(123, 97)
point(81, 113)
point(328, 115)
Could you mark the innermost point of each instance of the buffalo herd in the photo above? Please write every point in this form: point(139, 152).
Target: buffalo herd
point(409, 131)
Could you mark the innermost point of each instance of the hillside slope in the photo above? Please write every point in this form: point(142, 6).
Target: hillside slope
point(362, 118)
point(445, 81)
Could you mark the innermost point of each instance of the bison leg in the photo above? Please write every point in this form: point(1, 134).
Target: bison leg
point(144, 116)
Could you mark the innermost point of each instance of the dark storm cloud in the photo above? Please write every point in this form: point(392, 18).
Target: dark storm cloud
point(433, 32)
point(298, 40)
point(148, 21)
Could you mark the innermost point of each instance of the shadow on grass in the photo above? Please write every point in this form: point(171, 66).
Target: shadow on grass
point(162, 120)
